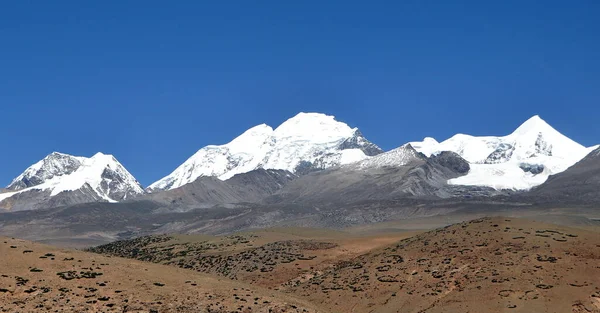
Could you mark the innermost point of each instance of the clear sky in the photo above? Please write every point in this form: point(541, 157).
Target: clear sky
point(152, 82)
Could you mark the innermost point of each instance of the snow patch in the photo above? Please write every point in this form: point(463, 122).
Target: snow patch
point(499, 176)
point(351, 156)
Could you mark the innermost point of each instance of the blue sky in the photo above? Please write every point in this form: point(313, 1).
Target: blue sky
point(152, 82)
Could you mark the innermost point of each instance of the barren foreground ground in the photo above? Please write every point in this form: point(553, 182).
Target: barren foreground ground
point(39, 278)
point(485, 265)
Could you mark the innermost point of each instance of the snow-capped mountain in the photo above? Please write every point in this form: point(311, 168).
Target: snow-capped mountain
point(303, 143)
point(74, 179)
point(518, 161)
point(55, 164)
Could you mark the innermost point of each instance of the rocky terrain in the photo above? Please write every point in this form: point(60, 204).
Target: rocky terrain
point(400, 173)
point(205, 192)
point(578, 184)
point(265, 257)
point(485, 265)
point(39, 278)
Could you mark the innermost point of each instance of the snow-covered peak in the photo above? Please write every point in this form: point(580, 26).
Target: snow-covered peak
point(535, 137)
point(429, 140)
point(243, 154)
point(54, 164)
point(520, 160)
point(251, 139)
point(100, 155)
point(303, 143)
point(104, 174)
point(59, 172)
point(315, 127)
point(428, 146)
point(535, 124)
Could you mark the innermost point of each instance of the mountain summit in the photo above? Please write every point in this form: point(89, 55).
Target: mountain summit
point(55, 164)
point(520, 160)
point(303, 143)
point(61, 179)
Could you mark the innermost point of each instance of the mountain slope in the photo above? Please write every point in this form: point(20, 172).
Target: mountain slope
point(494, 264)
point(304, 143)
point(61, 179)
point(485, 265)
point(580, 182)
point(55, 164)
point(209, 191)
point(521, 160)
point(402, 172)
point(41, 278)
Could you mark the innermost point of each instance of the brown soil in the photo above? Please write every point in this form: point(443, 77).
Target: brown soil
point(486, 265)
point(39, 278)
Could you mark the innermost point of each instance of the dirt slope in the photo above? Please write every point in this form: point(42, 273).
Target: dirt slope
point(39, 278)
point(486, 265)
point(267, 258)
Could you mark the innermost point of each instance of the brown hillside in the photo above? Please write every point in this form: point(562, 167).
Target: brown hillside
point(39, 278)
point(485, 265)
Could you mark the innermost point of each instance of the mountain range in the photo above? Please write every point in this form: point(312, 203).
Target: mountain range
point(312, 158)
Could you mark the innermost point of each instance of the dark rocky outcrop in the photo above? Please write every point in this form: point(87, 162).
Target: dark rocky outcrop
point(358, 141)
point(418, 177)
